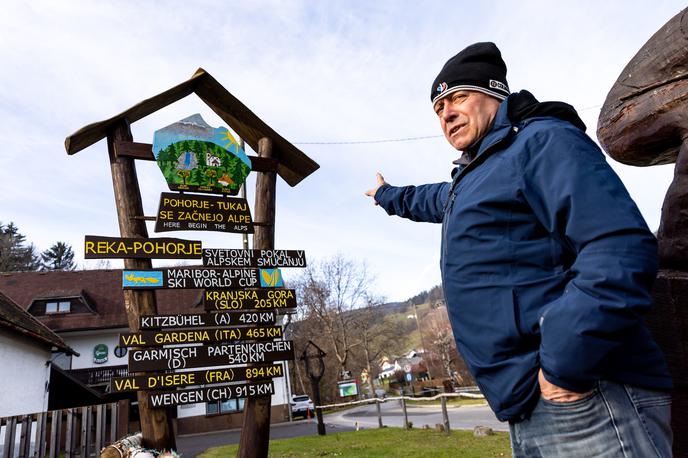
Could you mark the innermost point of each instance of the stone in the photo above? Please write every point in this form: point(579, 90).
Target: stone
point(481, 431)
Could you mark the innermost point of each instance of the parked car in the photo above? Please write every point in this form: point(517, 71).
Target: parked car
point(300, 405)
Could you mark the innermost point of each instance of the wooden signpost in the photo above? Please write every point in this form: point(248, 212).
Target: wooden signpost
point(96, 247)
point(181, 379)
point(203, 277)
point(171, 358)
point(249, 299)
point(253, 258)
point(184, 212)
point(184, 336)
point(212, 394)
point(200, 165)
point(191, 320)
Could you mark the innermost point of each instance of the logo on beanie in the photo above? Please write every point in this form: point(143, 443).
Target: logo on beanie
point(497, 85)
point(441, 87)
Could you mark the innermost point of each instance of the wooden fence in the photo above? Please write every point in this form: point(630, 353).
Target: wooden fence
point(403, 399)
point(79, 431)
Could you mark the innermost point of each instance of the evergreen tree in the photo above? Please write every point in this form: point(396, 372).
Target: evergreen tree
point(15, 255)
point(59, 257)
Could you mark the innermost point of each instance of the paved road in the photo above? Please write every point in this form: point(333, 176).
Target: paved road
point(460, 417)
point(364, 417)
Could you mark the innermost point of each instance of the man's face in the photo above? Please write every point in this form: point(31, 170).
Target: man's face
point(466, 116)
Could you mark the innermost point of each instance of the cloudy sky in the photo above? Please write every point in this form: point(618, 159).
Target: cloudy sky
point(316, 71)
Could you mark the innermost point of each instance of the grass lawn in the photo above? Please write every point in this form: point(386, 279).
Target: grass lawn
point(386, 442)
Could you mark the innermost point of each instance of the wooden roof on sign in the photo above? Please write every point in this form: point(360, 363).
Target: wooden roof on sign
point(293, 166)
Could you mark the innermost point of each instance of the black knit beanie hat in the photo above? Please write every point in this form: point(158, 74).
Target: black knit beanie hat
point(479, 67)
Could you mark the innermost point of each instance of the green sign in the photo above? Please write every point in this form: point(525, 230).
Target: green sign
point(100, 354)
point(194, 156)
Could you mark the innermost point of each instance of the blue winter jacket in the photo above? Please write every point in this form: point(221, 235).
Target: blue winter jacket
point(546, 263)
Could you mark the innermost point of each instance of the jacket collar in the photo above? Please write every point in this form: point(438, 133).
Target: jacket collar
point(501, 128)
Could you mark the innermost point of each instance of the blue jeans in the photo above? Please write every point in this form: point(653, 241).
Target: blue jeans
point(613, 421)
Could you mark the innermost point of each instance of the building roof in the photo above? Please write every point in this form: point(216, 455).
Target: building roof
point(293, 164)
point(13, 317)
point(103, 289)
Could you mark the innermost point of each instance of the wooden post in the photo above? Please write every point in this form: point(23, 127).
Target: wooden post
point(100, 427)
point(69, 435)
point(85, 444)
point(55, 424)
point(114, 418)
point(317, 401)
point(10, 427)
point(156, 426)
point(255, 433)
point(41, 423)
point(403, 408)
point(25, 438)
point(379, 414)
point(445, 415)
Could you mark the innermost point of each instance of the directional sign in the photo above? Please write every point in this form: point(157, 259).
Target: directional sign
point(160, 359)
point(201, 277)
point(249, 299)
point(197, 320)
point(156, 338)
point(253, 258)
point(213, 394)
point(186, 212)
point(210, 376)
point(96, 247)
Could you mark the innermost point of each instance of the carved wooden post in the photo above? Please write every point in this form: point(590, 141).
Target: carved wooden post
point(156, 426)
point(255, 433)
point(644, 121)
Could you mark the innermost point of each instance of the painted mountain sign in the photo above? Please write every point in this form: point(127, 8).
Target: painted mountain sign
point(194, 156)
point(184, 212)
point(200, 278)
point(210, 376)
point(213, 257)
point(162, 359)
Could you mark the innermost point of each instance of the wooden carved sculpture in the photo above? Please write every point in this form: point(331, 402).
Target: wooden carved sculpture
point(644, 121)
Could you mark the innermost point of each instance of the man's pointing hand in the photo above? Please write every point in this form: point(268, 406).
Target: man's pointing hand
point(380, 182)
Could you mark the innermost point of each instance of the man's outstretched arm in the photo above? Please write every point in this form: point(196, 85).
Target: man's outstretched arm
point(423, 203)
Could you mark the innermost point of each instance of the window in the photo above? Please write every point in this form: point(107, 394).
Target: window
point(62, 360)
point(227, 406)
point(58, 307)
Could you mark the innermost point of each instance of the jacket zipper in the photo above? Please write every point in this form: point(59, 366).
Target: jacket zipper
point(452, 190)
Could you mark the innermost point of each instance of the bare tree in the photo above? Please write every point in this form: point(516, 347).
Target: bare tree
point(329, 291)
point(441, 339)
point(376, 337)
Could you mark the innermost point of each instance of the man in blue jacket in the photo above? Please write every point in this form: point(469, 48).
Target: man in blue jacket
point(547, 267)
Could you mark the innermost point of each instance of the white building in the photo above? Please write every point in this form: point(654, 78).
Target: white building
point(26, 350)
